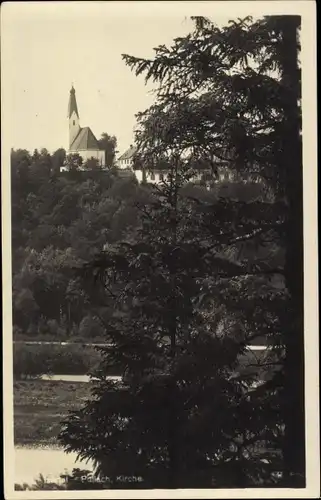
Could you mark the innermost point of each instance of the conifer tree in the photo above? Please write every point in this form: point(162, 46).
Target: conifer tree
point(185, 414)
point(203, 278)
point(240, 88)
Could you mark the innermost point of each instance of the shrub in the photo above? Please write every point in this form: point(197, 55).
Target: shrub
point(79, 479)
point(55, 329)
point(71, 360)
point(33, 361)
point(90, 327)
point(29, 362)
point(83, 480)
point(40, 484)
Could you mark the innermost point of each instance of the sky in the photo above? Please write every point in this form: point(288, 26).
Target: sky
point(51, 48)
point(47, 46)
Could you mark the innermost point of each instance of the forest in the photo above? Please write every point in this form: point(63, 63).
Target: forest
point(59, 221)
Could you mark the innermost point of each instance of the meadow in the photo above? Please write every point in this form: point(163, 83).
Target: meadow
point(39, 407)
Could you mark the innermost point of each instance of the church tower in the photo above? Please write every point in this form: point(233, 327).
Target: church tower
point(73, 117)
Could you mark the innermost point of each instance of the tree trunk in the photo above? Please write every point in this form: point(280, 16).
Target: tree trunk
point(173, 423)
point(294, 407)
point(173, 427)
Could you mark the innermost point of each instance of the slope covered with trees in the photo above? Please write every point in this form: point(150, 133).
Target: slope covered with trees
point(59, 222)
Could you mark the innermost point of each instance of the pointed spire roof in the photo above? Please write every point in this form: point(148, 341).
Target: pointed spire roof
point(72, 107)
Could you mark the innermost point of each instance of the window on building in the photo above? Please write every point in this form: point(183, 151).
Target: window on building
point(161, 177)
point(73, 122)
point(152, 176)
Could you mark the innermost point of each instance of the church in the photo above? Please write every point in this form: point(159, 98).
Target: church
point(82, 141)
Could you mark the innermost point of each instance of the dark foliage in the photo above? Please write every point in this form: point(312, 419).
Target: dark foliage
point(59, 221)
point(206, 276)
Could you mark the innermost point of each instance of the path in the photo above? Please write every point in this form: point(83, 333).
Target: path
point(76, 378)
point(40, 342)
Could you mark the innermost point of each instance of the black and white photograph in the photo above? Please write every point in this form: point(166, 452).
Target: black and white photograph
point(159, 213)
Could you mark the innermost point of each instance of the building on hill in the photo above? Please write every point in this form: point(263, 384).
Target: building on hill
point(82, 141)
point(126, 160)
point(156, 176)
point(225, 174)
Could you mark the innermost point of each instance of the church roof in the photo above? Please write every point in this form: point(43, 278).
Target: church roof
point(128, 154)
point(72, 103)
point(84, 140)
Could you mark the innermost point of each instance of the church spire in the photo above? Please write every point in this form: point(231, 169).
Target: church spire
point(72, 107)
point(73, 117)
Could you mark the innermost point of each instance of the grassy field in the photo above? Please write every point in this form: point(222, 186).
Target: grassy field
point(39, 407)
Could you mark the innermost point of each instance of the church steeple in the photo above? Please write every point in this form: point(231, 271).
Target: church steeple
point(72, 103)
point(73, 116)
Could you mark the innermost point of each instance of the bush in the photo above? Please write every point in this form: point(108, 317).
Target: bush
point(40, 484)
point(71, 360)
point(90, 327)
point(79, 479)
point(89, 330)
point(33, 361)
point(29, 362)
point(44, 328)
point(55, 329)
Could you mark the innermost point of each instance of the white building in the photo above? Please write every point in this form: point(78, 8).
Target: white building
point(82, 141)
point(126, 162)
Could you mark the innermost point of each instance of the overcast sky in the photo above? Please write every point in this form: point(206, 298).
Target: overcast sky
point(48, 45)
point(51, 48)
